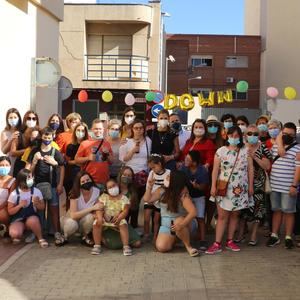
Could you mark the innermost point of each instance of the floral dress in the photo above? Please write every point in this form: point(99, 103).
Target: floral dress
point(237, 192)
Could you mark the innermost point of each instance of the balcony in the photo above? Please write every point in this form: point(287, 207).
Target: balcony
point(129, 68)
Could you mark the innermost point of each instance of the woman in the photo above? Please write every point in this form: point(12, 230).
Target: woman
point(262, 163)
point(55, 122)
point(23, 204)
point(135, 154)
point(11, 132)
point(231, 188)
point(83, 204)
point(243, 123)
point(164, 140)
point(262, 125)
point(19, 145)
point(177, 212)
point(274, 129)
point(199, 142)
point(127, 119)
point(115, 142)
point(214, 131)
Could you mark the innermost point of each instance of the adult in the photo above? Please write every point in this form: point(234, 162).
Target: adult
point(127, 119)
point(214, 131)
point(56, 123)
point(164, 141)
point(94, 155)
point(262, 125)
point(11, 132)
point(115, 142)
point(83, 203)
point(135, 154)
point(176, 127)
point(284, 184)
point(243, 123)
point(274, 129)
point(228, 121)
point(199, 142)
point(231, 187)
point(65, 138)
point(177, 212)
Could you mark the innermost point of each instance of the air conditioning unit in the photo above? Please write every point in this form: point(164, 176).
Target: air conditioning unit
point(229, 80)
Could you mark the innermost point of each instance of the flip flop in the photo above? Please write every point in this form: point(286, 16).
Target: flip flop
point(193, 252)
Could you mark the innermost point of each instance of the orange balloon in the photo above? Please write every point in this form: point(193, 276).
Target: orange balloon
point(83, 96)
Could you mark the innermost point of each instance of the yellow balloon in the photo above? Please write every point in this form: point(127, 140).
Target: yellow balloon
point(170, 101)
point(107, 96)
point(186, 102)
point(210, 101)
point(290, 93)
point(225, 96)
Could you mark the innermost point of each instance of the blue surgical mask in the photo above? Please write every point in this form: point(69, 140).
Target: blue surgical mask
point(262, 127)
point(233, 141)
point(46, 142)
point(252, 139)
point(4, 171)
point(227, 125)
point(274, 132)
point(212, 129)
point(54, 126)
point(114, 134)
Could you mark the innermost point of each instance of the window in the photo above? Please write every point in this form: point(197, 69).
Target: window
point(236, 62)
point(202, 61)
point(237, 96)
point(204, 91)
point(88, 110)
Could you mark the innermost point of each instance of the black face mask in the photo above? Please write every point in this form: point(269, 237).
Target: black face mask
point(87, 185)
point(263, 138)
point(176, 126)
point(287, 139)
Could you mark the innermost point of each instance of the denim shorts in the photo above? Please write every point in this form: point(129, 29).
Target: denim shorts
point(55, 197)
point(165, 226)
point(283, 202)
point(199, 203)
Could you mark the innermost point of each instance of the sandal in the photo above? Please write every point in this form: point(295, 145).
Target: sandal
point(127, 251)
point(193, 252)
point(96, 250)
point(43, 243)
point(59, 239)
point(87, 241)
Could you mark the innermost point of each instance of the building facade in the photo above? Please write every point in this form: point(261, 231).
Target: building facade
point(116, 47)
point(30, 29)
point(205, 63)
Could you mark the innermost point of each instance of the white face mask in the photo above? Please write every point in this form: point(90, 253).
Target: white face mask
point(80, 135)
point(199, 131)
point(163, 123)
point(243, 128)
point(30, 123)
point(13, 122)
point(114, 191)
point(129, 120)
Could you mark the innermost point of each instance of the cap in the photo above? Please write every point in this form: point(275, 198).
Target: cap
point(211, 119)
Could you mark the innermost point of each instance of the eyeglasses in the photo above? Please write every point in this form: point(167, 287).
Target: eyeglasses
point(137, 128)
point(249, 133)
point(212, 125)
point(31, 118)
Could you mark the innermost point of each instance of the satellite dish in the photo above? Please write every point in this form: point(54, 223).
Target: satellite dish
point(65, 88)
point(47, 72)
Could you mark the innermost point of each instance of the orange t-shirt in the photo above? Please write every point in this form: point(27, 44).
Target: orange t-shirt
point(98, 169)
point(63, 140)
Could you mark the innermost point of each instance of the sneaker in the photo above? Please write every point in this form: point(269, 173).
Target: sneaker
point(30, 238)
point(214, 248)
point(3, 230)
point(273, 241)
point(252, 243)
point(231, 245)
point(59, 239)
point(203, 245)
point(289, 244)
point(240, 240)
point(96, 250)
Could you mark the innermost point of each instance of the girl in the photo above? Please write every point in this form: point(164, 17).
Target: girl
point(23, 204)
point(128, 117)
point(157, 175)
point(113, 213)
point(55, 122)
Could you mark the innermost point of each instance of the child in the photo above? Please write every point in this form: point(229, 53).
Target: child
point(113, 213)
point(23, 204)
point(157, 175)
point(197, 182)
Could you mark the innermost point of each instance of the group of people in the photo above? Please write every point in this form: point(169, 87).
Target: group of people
point(238, 174)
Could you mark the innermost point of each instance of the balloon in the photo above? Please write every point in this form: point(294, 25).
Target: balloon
point(129, 99)
point(173, 99)
point(225, 96)
point(150, 96)
point(290, 93)
point(107, 96)
point(210, 101)
point(83, 96)
point(159, 97)
point(272, 92)
point(190, 102)
point(242, 86)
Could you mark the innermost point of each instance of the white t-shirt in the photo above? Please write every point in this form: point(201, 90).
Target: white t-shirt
point(4, 191)
point(81, 204)
point(183, 136)
point(138, 162)
point(13, 197)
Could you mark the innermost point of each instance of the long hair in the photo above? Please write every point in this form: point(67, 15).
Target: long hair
point(138, 121)
point(75, 191)
point(86, 133)
point(203, 122)
point(123, 123)
point(60, 129)
point(237, 129)
point(13, 111)
point(24, 126)
point(173, 193)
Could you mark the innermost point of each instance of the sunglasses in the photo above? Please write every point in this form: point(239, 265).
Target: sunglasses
point(252, 133)
point(31, 118)
point(212, 125)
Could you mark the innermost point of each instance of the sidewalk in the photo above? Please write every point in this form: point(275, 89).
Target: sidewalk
point(70, 272)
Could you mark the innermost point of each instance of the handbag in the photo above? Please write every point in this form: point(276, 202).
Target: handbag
point(222, 185)
point(267, 188)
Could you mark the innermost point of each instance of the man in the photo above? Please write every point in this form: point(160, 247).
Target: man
point(94, 155)
point(284, 183)
point(183, 135)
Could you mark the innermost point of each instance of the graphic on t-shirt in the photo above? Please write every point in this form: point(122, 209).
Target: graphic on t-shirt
point(98, 154)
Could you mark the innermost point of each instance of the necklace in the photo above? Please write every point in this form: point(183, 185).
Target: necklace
point(162, 136)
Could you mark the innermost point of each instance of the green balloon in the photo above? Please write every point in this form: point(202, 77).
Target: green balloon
point(150, 96)
point(242, 86)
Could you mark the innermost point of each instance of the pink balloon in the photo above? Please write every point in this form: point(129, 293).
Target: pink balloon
point(129, 99)
point(272, 92)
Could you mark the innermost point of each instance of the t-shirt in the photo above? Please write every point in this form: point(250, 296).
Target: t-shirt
point(200, 176)
point(63, 140)
point(13, 197)
point(158, 179)
point(98, 169)
point(42, 169)
point(283, 169)
point(4, 190)
point(183, 136)
point(81, 204)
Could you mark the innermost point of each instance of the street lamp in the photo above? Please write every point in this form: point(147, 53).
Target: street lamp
point(172, 60)
point(193, 78)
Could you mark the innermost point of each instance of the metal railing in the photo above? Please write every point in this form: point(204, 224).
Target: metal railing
point(117, 67)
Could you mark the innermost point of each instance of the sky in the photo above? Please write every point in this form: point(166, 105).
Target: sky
point(197, 16)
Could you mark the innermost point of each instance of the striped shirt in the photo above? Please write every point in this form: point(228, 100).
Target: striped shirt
point(283, 169)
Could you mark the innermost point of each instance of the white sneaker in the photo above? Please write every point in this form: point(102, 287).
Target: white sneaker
point(30, 238)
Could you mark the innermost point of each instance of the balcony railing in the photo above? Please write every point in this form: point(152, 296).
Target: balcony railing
point(117, 67)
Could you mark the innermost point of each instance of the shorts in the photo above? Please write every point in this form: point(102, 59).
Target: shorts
point(55, 197)
point(283, 202)
point(165, 226)
point(151, 206)
point(199, 202)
